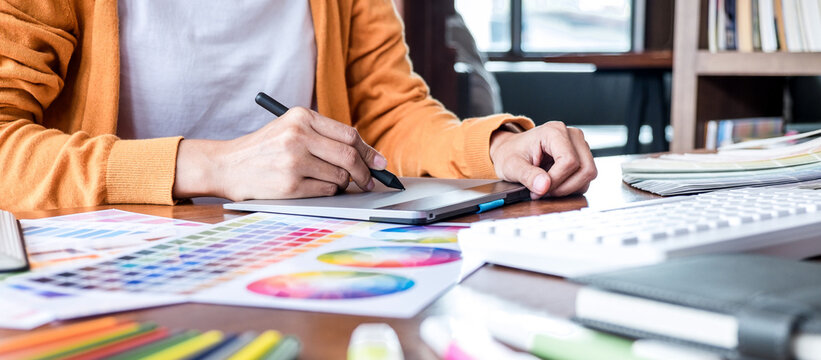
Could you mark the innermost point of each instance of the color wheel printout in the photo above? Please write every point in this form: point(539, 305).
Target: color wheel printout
point(264, 260)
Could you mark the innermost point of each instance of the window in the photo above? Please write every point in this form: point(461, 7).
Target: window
point(519, 29)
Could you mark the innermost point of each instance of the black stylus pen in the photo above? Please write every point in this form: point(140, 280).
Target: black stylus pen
point(384, 176)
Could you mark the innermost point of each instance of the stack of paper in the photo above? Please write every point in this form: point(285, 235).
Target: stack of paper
point(781, 160)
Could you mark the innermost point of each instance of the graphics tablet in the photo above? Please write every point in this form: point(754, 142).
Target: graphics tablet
point(424, 201)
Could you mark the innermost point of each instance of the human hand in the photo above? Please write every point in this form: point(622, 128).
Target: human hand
point(300, 154)
point(551, 159)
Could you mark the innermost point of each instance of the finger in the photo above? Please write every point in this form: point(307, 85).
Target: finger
point(533, 177)
point(556, 143)
point(348, 135)
point(342, 156)
point(580, 180)
point(319, 169)
point(308, 187)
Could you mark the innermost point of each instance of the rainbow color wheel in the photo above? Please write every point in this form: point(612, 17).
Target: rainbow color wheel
point(331, 285)
point(431, 234)
point(390, 256)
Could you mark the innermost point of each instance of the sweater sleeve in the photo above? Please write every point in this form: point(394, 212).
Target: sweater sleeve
point(393, 110)
point(46, 168)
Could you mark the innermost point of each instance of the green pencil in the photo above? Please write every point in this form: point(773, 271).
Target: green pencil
point(149, 349)
point(141, 329)
point(287, 349)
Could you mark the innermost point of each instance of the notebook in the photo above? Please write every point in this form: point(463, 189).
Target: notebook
point(739, 305)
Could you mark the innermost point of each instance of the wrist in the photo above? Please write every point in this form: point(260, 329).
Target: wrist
point(197, 170)
point(497, 138)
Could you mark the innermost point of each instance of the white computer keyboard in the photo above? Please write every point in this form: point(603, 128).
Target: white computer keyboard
point(783, 221)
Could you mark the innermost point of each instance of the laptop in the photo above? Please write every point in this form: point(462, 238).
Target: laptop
point(424, 201)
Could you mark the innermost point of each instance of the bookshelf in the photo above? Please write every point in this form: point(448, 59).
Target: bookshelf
point(712, 86)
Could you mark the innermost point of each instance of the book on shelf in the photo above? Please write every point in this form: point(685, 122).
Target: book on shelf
point(764, 25)
point(811, 20)
point(774, 161)
point(744, 25)
point(737, 305)
point(720, 133)
point(729, 11)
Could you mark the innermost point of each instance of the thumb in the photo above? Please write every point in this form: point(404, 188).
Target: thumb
point(533, 177)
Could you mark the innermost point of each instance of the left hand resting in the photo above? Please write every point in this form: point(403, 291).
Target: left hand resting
point(551, 159)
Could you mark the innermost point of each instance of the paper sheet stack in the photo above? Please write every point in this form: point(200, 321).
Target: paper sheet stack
point(782, 160)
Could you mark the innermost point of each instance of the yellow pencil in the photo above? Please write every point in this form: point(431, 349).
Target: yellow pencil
point(259, 347)
point(188, 347)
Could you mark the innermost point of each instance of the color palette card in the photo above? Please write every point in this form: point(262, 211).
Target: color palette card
point(18, 315)
point(393, 276)
point(272, 260)
point(120, 216)
point(37, 305)
point(88, 236)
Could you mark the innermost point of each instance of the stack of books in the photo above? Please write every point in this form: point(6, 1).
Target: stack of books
point(764, 25)
point(730, 131)
point(781, 160)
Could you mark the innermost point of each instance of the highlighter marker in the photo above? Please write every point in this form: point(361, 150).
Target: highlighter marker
point(558, 339)
point(453, 339)
point(374, 342)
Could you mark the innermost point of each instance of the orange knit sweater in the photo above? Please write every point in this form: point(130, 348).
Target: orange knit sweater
point(59, 89)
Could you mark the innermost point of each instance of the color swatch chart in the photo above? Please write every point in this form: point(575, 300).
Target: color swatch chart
point(265, 260)
point(202, 259)
point(87, 236)
point(120, 216)
point(375, 270)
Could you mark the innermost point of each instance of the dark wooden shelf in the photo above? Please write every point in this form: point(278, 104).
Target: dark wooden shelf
point(659, 59)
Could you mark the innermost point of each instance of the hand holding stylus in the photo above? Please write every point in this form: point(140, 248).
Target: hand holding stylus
point(384, 176)
point(300, 154)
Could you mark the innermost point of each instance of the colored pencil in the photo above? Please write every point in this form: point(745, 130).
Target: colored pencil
point(226, 340)
point(109, 338)
point(227, 350)
point(152, 348)
point(92, 344)
point(65, 343)
point(259, 347)
point(123, 346)
point(188, 347)
point(286, 349)
point(39, 337)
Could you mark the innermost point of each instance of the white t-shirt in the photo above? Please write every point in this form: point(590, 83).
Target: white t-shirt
point(193, 68)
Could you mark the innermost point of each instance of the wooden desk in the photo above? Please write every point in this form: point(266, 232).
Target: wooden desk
point(326, 336)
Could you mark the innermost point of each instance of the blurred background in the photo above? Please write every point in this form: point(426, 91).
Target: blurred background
point(539, 58)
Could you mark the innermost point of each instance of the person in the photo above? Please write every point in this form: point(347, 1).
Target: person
point(106, 102)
